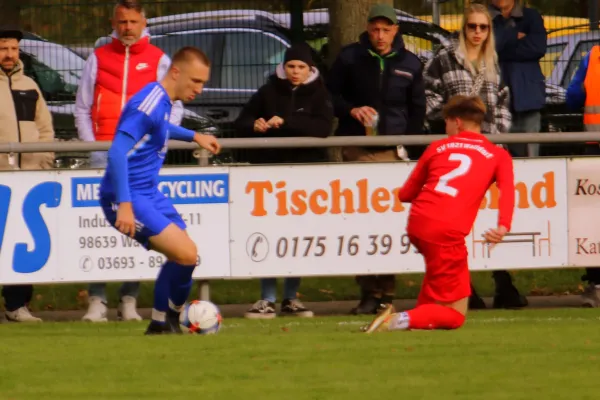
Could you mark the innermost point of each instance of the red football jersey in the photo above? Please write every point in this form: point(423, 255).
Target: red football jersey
point(449, 182)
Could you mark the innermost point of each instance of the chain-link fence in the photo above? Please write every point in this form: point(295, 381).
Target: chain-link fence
point(246, 39)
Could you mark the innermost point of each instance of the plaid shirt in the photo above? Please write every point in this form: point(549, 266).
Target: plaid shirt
point(447, 75)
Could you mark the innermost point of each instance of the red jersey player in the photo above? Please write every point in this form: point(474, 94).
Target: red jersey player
point(446, 189)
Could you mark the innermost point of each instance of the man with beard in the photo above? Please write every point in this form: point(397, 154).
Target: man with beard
point(24, 117)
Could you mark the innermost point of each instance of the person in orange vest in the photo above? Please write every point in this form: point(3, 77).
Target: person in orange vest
point(584, 92)
point(112, 74)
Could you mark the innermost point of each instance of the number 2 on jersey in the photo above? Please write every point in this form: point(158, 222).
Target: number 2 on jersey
point(464, 166)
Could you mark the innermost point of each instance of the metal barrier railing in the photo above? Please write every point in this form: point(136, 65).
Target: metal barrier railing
point(336, 141)
point(332, 141)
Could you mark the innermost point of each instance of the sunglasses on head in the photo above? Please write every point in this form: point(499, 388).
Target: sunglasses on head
point(482, 27)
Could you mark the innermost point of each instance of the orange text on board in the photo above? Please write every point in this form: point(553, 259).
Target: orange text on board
point(360, 198)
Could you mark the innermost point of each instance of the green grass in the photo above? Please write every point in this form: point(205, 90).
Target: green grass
point(540, 282)
point(496, 355)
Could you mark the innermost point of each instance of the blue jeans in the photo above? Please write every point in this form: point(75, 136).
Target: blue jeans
point(268, 288)
point(98, 159)
point(525, 122)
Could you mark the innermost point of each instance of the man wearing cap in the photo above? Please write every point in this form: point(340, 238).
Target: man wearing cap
point(377, 88)
point(24, 117)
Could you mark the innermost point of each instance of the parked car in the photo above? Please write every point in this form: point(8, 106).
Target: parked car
point(57, 71)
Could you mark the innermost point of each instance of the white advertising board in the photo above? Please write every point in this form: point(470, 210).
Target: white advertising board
point(52, 228)
point(345, 219)
point(584, 212)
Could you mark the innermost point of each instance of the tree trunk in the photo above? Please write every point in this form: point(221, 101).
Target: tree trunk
point(347, 20)
point(11, 12)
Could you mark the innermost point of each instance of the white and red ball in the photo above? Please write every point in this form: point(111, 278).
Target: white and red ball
point(201, 317)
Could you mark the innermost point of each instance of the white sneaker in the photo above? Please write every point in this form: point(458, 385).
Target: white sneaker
point(96, 310)
point(127, 311)
point(21, 315)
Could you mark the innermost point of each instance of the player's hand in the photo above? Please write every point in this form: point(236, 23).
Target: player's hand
point(261, 126)
point(275, 122)
point(364, 115)
point(208, 142)
point(125, 219)
point(521, 35)
point(495, 236)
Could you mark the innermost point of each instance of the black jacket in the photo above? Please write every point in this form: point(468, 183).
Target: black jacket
point(306, 111)
point(395, 90)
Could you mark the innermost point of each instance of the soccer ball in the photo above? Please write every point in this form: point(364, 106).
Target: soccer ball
point(201, 318)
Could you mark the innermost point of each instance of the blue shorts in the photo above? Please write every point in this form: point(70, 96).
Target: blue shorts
point(153, 213)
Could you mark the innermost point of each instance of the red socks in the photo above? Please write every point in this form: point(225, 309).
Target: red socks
point(434, 316)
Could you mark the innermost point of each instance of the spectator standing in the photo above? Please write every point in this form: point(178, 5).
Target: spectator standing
point(111, 75)
point(377, 88)
point(584, 92)
point(293, 103)
point(469, 66)
point(24, 117)
point(521, 42)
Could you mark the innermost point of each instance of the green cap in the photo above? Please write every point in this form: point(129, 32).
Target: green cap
point(383, 11)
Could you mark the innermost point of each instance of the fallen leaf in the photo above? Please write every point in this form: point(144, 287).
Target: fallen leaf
point(49, 307)
point(285, 329)
point(410, 283)
point(326, 291)
point(410, 349)
point(593, 358)
point(38, 297)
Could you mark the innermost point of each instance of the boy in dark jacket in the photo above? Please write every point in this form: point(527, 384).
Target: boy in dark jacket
point(293, 103)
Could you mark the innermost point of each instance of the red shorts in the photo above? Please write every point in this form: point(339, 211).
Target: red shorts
point(447, 277)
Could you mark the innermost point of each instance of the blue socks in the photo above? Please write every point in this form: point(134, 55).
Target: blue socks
point(171, 289)
point(181, 285)
point(161, 293)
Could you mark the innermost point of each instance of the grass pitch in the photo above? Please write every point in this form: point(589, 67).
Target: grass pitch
point(525, 354)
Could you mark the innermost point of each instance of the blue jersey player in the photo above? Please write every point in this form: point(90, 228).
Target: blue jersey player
point(129, 193)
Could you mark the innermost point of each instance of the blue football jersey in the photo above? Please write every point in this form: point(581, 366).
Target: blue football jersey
point(146, 119)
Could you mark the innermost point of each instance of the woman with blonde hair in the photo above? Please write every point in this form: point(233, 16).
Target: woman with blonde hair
point(469, 66)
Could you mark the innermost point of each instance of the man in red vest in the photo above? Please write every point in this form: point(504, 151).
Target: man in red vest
point(112, 74)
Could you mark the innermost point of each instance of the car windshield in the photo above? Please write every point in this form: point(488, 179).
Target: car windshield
point(47, 60)
point(204, 40)
point(551, 58)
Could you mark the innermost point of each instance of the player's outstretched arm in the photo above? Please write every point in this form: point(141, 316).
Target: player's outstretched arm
point(505, 180)
point(413, 185)
point(205, 141)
